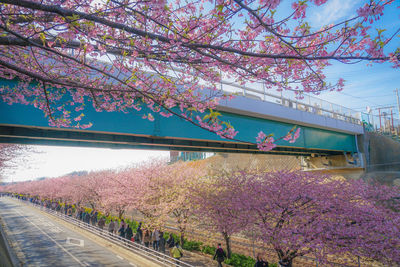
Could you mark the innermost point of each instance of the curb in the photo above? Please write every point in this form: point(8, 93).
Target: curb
point(9, 252)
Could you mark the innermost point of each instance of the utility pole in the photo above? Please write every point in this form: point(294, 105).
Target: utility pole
point(398, 102)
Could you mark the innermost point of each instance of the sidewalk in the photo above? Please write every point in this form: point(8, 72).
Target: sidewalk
point(191, 258)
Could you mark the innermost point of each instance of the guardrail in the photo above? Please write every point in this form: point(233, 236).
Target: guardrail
point(305, 102)
point(301, 102)
point(382, 123)
point(155, 256)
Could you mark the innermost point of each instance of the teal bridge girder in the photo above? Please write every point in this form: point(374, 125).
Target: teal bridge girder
point(24, 124)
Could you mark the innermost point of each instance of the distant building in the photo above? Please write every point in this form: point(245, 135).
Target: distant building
point(175, 156)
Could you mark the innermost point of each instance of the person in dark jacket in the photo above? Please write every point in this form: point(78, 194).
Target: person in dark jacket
point(121, 231)
point(93, 217)
point(139, 233)
point(219, 255)
point(128, 232)
point(162, 243)
point(171, 241)
point(260, 261)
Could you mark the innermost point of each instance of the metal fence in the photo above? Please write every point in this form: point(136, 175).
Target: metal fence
point(304, 102)
point(150, 254)
point(383, 123)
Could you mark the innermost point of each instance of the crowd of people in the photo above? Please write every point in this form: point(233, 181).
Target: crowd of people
point(146, 237)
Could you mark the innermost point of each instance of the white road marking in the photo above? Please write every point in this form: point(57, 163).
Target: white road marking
point(132, 264)
point(58, 244)
point(119, 257)
point(56, 230)
point(75, 241)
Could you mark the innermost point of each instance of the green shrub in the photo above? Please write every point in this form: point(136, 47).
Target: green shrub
point(134, 224)
point(238, 260)
point(208, 250)
point(192, 245)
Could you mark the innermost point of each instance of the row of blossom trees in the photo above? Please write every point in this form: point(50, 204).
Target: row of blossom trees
point(295, 213)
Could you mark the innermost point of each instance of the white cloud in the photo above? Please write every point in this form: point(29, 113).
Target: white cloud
point(332, 11)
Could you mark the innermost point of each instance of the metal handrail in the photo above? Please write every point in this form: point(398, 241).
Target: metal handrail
point(353, 116)
point(300, 104)
point(140, 249)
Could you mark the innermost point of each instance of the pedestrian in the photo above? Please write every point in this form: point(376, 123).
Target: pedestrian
point(139, 233)
point(128, 232)
point(155, 237)
point(260, 261)
point(111, 227)
point(177, 253)
point(171, 241)
point(94, 217)
point(161, 243)
point(146, 238)
point(88, 217)
point(78, 213)
point(69, 211)
point(121, 231)
point(101, 223)
point(219, 255)
point(116, 226)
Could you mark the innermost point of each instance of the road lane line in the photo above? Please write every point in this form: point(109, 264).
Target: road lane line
point(119, 257)
point(58, 244)
point(132, 264)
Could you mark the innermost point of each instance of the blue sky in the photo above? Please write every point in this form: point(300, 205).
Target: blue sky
point(365, 85)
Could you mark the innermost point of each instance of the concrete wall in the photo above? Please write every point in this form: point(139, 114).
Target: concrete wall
point(382, 155)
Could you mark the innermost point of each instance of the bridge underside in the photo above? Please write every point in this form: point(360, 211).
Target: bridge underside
point(67, 137)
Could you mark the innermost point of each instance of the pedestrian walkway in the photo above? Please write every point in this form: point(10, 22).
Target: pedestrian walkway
point(102, 237)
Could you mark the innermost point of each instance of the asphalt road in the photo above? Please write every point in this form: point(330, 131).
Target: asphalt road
point(38, 240)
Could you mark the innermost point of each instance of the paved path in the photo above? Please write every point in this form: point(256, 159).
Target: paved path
point(42, 241)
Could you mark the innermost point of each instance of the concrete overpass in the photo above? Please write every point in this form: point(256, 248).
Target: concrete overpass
point(322, 133)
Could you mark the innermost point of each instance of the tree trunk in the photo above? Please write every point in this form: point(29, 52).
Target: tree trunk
point(228, 245)
point(120, 213)
point(182, 237)
point(283, 256)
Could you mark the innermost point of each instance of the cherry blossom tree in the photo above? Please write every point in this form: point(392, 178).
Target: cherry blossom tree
point(300, 213)
point(10, 156)
point(120, 191)
point(215, 205)
point(158, 56)
point(161, 192)
point(176, 195)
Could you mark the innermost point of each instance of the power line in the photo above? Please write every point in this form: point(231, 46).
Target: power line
point(358, 98)
point(377, 106)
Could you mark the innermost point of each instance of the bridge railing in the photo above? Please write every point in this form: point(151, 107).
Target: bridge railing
point(305, 103)
point(384, 123)
point(301, 102)
point(152, 255)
